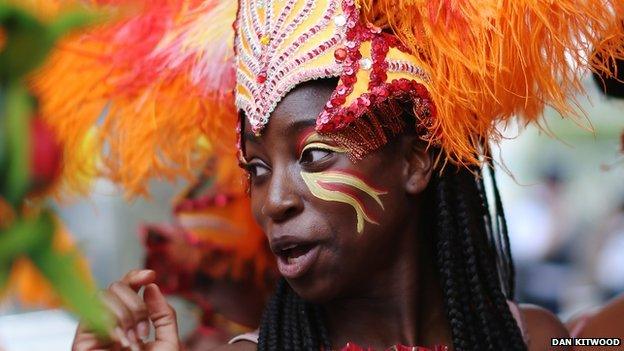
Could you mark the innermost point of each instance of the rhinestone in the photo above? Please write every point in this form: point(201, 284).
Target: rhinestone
point(340, 20)
point(366, 63)
point(261, 78)
point(340, 54)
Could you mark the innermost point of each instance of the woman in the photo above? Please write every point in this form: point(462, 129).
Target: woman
point(368, 187)
point(379, 287)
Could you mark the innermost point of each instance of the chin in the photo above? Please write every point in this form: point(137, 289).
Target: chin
point(315, 289)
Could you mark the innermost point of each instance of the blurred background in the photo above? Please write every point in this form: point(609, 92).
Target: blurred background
point(564, 202)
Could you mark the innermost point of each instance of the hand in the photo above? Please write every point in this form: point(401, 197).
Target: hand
point(133, 315)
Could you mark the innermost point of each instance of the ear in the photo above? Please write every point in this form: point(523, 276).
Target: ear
point(418, 165)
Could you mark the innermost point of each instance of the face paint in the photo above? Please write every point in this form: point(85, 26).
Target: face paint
point(312, 140)
point(347, 187)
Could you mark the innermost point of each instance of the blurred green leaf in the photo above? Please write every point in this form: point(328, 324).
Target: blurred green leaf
point(5, 270)
point(3, 128)
point(61, 269)
point(29, 41)
point(26, 237)
point(16, 117)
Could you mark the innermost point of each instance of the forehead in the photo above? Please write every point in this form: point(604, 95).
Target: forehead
point(298, 109)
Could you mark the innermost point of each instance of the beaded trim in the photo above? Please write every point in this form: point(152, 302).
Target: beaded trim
point(276, 63)
point(337, 116)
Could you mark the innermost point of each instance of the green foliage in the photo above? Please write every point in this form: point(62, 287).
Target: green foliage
point(28, 42)
point(16, 122)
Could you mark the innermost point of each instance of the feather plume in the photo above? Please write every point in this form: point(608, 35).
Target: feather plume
point(131, 80)
point(491, 60)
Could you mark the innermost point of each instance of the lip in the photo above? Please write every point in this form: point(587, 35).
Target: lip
point(294, 265)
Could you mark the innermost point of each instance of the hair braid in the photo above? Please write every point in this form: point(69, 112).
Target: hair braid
point(481, 252)
point(444, 230)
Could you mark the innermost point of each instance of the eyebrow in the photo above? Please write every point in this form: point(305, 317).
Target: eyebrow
point(292, 127)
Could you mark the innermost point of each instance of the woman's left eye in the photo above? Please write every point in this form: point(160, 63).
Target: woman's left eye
point(313, 154)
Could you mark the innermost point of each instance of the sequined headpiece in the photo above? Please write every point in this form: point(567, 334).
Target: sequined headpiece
point(280, 44)
point(171, 75)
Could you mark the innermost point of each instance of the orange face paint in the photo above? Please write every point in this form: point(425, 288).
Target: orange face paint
point(346, 187)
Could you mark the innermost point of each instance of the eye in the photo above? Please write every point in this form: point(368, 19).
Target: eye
point(256, 168)
point(315, 153)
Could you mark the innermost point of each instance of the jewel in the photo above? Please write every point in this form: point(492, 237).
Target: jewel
point(340, 20)
point(261, 78)
point(340, 54)
point(265, 40)
point(366, 63)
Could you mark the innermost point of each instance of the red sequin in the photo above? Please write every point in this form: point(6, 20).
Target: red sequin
point(337, 115)
point(261, 78)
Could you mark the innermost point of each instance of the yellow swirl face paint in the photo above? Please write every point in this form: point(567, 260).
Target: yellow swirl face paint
point(313, 140)
point(346, 187)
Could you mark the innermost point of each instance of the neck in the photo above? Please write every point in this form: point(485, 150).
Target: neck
point(401, 304)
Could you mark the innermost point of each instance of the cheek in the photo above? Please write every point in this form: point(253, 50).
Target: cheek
point(257, 201)
point(349, 188)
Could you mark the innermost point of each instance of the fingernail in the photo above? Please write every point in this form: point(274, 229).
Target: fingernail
point(132, 336)
point(143, 329)
point(122, 338)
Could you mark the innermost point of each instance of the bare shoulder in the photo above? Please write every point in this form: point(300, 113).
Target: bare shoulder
point(542, 325)
point(238, 346)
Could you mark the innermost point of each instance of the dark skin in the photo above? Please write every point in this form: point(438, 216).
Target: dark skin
point(358, 301)
point(379, 287)
point(376, 306)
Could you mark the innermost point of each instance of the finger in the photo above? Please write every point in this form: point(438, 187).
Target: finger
point(137, 278)
point(119, 310)
point(135, 304)
point(162, 315)
point(84, 341)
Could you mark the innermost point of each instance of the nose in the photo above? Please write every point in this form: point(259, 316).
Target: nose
point(282, 202)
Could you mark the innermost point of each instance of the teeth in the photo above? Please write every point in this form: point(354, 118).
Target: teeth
point(289, 247)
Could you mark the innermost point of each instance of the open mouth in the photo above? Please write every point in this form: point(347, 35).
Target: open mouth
point(294, 260)
point(293, 251)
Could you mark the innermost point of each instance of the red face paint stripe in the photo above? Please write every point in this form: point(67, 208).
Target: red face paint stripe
point(303, 138)
point(353, 193)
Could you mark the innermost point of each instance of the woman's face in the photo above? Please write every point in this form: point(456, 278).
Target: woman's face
point(331, 223)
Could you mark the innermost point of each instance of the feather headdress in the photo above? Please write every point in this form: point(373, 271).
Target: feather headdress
point(160, 84)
